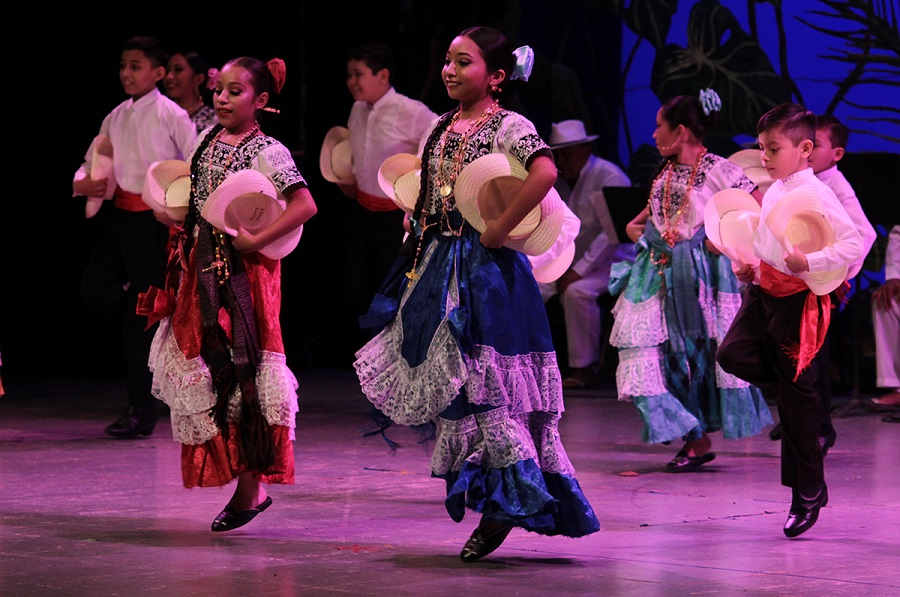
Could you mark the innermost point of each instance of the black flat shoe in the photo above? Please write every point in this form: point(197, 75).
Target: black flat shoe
point(805, 510)
point(228, 519)
point(682, 463)
point(130, 425)
point(479, 546)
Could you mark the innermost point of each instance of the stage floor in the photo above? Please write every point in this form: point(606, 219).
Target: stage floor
point(83, 514)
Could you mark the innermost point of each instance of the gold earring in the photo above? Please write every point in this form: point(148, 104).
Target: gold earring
point(494, 88)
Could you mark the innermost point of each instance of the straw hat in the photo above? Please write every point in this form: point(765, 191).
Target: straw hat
point(167, 187)
point(484, 189)
point(101, 167)
point(336, 157)
point(248, 198)
point(568, 132)
point(400, 177)
point(750, 163)
point(547, 268)
point(799, 220)
point(731, 217)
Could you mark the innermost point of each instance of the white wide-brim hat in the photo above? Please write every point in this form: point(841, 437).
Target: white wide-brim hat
point(750, 162)
point(484, 189)
point(248, 199)
point(101, 167)
point(167, 187)
point(731, 217)
point(549, 266)
point(799, 220)
point(400, 178)
point(568, 132)
point(336, 156)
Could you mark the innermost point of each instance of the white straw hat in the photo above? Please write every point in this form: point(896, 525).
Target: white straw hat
point(399, 178)
point(731, 217)
point(799, 220)
point(248, 198)
point(484, 189)
point(750, 162)
point(549, 266)
point(336, 156)
point(167, 187)
point(568, 132)
point(101, 167)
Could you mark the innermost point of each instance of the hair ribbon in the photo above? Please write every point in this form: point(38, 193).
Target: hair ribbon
point(524, 62)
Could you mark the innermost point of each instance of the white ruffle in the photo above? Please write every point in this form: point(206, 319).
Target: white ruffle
point(497, 439)
point(185, 385)
point(640, 373)
point(410, 395)
point(639, 324)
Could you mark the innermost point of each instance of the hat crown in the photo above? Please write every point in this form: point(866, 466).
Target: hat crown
point(569, 132)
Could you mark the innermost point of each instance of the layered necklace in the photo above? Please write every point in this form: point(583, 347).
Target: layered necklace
point(216, 180)
point(446, 185)
point(671, 214)
point(220, 259)
point(445, 179)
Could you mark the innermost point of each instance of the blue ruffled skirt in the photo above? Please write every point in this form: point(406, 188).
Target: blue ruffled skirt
point(669, 374)
point(467, 345)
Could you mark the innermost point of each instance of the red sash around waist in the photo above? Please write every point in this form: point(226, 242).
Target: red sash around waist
point(129, 201)
point(373, 203)
point(814, 321)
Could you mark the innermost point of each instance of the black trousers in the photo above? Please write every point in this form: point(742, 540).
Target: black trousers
point(753, 350)
point(129, 257)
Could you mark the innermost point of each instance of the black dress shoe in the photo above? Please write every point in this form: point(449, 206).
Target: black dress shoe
point(479, 546)
point(132, 424)
point(229, 519)
point(682, 463)
point(805, 510)
point(775, 432)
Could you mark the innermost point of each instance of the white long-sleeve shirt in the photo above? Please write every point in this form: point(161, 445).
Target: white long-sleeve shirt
point(151, 129)
point(847, 247)
point(835, 179)
point(394, 124)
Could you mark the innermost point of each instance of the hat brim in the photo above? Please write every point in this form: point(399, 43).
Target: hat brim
point(479, 201)
point(167, 187)
point(730, 219)
point(335, 157)
point(750, 163)
point(551, 271)
point(101, 150)
point(395, 182)
point(588, 139)
point(248, 199)
point(799, 220)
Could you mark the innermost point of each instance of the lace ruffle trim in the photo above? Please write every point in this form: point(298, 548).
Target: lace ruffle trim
point(638, 324)
point(185, 386)
point(496, 440)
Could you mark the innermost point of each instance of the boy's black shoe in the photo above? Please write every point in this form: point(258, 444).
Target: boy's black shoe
point(805, 509)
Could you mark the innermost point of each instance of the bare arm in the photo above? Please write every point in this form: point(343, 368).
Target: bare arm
point(635, 228)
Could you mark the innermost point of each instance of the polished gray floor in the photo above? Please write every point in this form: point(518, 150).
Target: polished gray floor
point(81, 514)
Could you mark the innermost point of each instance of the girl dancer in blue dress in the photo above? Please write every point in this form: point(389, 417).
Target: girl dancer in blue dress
point(464, 339)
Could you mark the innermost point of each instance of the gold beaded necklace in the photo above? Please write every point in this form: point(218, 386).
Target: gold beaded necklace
point(220, 258)
point(446, 186)
point(672, 220)
point(234, 148)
